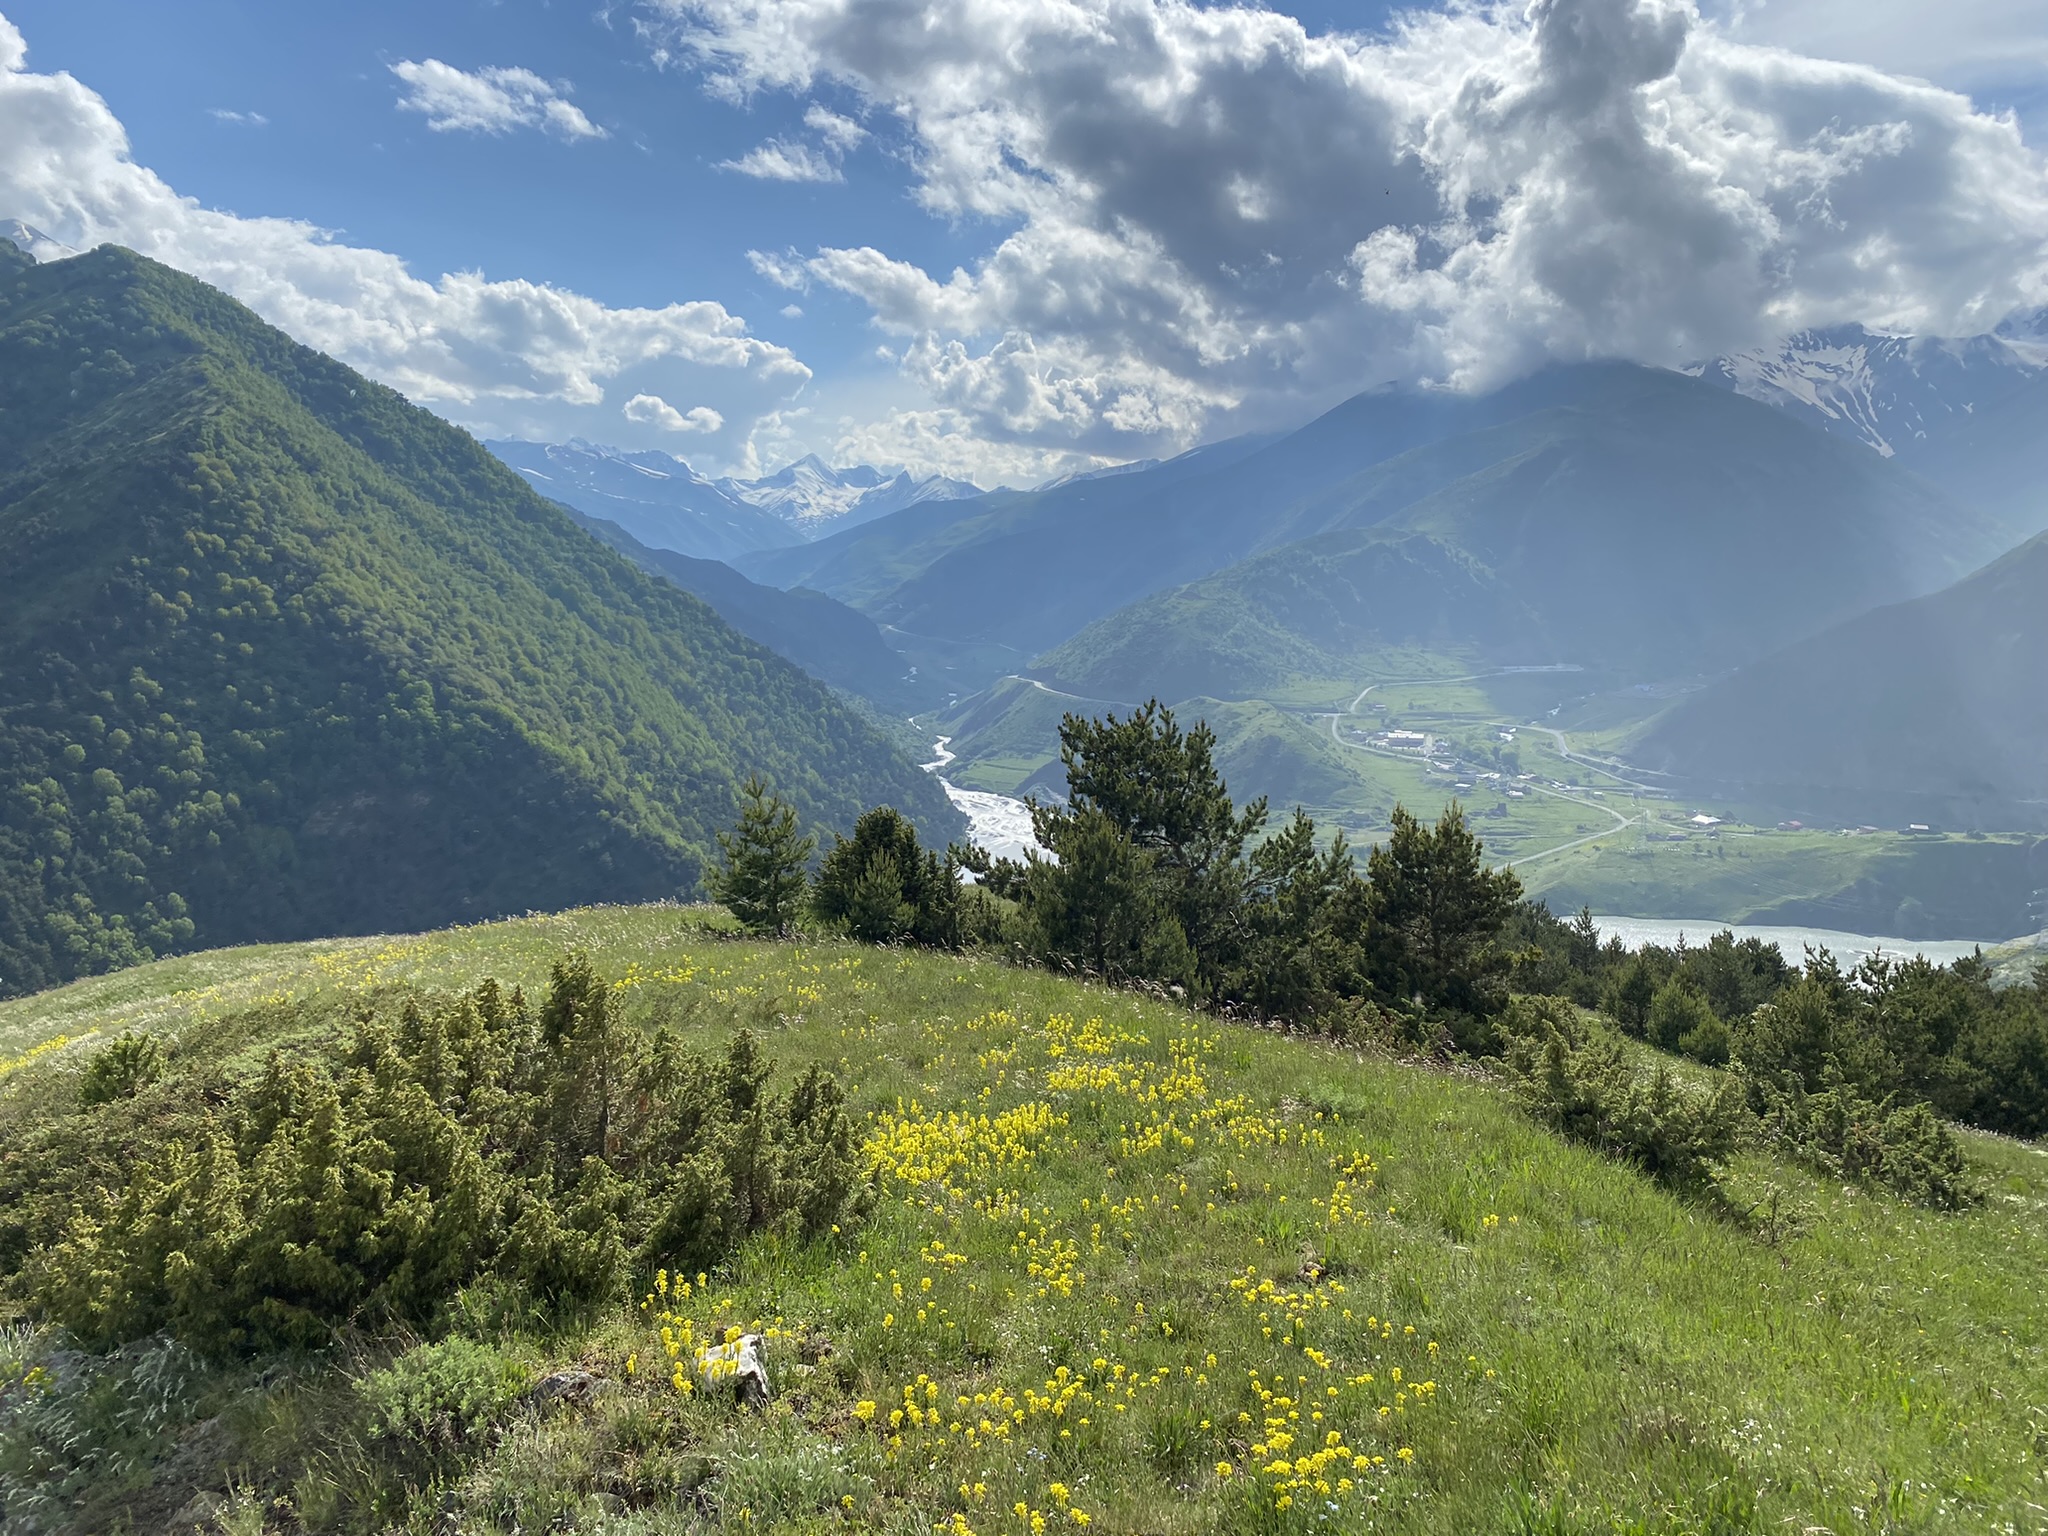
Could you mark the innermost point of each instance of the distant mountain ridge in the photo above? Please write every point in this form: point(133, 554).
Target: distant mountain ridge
point(664, 503)
point(1997, 458)
point(1634, 445)
point(1890, 393)
point(1674, 530)
point(1932, 710)
point(32, 242)
point(834, 643)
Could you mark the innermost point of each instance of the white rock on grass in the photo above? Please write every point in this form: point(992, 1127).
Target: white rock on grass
point(737, 1368)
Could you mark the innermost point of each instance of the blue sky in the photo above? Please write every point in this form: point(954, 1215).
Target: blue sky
point(640, 218)
point(1063, 232)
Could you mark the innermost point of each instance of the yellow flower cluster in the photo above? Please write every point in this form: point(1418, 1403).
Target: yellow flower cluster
point(1323, 1463)
point(12, 1064)
point(1092, 1038)
point(992, 1240)
point(673, 975)
point(352, 967)
point(679, 1334)
point(1068, 1401)
point(1049, 1260)
point(957, 1153)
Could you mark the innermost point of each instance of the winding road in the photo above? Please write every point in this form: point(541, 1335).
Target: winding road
point(1078, 698)
point(1563, 750)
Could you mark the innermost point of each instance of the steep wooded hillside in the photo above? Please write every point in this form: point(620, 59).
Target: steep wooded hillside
point(834, 643)
point(281, 655)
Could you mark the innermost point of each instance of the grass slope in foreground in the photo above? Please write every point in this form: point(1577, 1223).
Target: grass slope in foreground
point(282, 654)
point(1135, 1269)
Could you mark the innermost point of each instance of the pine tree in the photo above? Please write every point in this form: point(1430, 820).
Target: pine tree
point(1144, 782)
point(591, 1046)
point(1436, 913)
point(1629, 992)
point(761, 879)
point(1301, 914)
point(880, 886)
point(876, 912)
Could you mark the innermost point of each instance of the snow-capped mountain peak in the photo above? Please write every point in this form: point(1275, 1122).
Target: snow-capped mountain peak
point(1887, 392)
point(812, 494)
point(32, 240)
point(665, 503)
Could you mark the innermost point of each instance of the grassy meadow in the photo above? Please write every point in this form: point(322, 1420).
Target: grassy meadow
point(1131, 1268)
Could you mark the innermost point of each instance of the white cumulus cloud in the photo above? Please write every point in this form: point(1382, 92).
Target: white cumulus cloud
point(1208, 217)
point(789, 159)
point(492, 100)
point(1964, 43)
point(839, 133)
point(785, 160)
point(653, 411)
point(504, 357)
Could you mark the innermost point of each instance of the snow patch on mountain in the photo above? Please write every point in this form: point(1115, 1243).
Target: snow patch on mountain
point(32, 240)
point(1105, 473)
point(810, 494)
point(2027, 334)
point(1887, 392)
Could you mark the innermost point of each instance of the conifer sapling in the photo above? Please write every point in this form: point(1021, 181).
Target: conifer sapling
point(761, 878)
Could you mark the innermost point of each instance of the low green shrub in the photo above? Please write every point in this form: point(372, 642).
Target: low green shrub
point(130, 1064)
point(439, 1396)
point(1587, 1090)
point(786, 1480)
point(1535, 1019)
point(371, 1182)
point(1906, 1149)
point(1708, 1041)
point(1678, 1010)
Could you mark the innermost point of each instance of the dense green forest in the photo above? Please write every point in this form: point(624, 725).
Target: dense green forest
point(282, 654)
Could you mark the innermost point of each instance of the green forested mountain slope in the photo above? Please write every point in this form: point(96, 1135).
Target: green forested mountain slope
point(837, 644)
point(281, 654)
point(1934, 710)
point(1298, 611)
